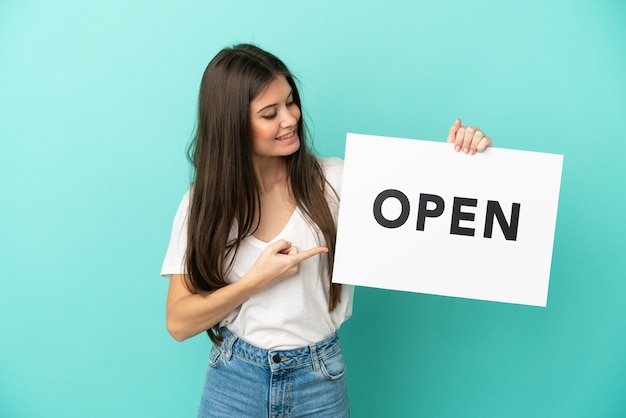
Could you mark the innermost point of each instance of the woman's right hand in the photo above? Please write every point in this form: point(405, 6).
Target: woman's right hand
point(278, 261)
point(189, 314)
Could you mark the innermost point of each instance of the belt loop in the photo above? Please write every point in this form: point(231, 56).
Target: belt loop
point(316, 360)
point(228, 345)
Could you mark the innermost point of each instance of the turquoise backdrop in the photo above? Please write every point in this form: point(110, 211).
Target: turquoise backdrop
point(97, 105)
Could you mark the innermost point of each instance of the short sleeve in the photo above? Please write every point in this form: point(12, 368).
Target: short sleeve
point(174, 262)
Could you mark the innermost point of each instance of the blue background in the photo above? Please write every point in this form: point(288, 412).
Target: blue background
point(97, 105)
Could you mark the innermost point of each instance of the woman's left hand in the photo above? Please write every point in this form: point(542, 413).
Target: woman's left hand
point(468, 139)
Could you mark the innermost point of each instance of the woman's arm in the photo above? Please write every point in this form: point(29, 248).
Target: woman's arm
point(189, 314)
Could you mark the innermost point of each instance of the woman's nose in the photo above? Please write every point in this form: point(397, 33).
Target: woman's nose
point(290, 117)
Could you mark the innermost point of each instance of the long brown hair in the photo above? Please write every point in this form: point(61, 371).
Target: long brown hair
point(225, 191)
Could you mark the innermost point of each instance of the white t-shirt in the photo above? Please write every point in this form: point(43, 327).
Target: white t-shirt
point(293, 312)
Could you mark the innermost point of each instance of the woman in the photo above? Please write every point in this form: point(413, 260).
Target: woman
point(251, 252)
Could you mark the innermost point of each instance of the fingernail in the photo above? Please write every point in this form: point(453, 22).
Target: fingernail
point(465, 150)
point(457, 148)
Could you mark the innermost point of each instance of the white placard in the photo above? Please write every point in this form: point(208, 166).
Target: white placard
point(417, 216)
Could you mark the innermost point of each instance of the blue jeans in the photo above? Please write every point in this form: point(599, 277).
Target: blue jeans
point(246, 381)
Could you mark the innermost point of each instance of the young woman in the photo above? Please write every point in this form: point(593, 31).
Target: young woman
point(251, 252)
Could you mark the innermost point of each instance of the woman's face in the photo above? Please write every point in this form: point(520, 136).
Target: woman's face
point(274, 118)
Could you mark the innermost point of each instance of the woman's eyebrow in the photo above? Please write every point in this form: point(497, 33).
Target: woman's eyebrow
point(273, 104)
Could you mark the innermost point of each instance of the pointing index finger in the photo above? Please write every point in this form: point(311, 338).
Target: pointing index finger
point(303, 255)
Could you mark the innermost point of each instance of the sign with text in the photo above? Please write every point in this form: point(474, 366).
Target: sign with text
point(417, 216)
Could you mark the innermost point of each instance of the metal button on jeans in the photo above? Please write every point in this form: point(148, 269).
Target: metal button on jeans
point(276, 358)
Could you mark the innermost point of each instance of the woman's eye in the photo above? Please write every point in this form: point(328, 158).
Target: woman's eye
point(272, 116)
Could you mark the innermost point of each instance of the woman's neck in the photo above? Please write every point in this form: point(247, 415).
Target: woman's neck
point(270, 172)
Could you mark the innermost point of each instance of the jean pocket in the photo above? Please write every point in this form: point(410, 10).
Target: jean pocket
point(216, 356)
point(333, 366)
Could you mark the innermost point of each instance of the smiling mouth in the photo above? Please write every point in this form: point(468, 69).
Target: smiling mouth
point(286, 136)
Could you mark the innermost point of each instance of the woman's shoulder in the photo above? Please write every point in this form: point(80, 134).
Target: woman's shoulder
point(185, 201)
point(331, 165)
point(333, 170)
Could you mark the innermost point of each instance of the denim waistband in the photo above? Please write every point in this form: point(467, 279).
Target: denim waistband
point(277, 359)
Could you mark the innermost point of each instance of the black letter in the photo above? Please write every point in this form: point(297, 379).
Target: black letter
point(509, 230)
point(378, 203)
point(457, 216)
point(422, 212)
